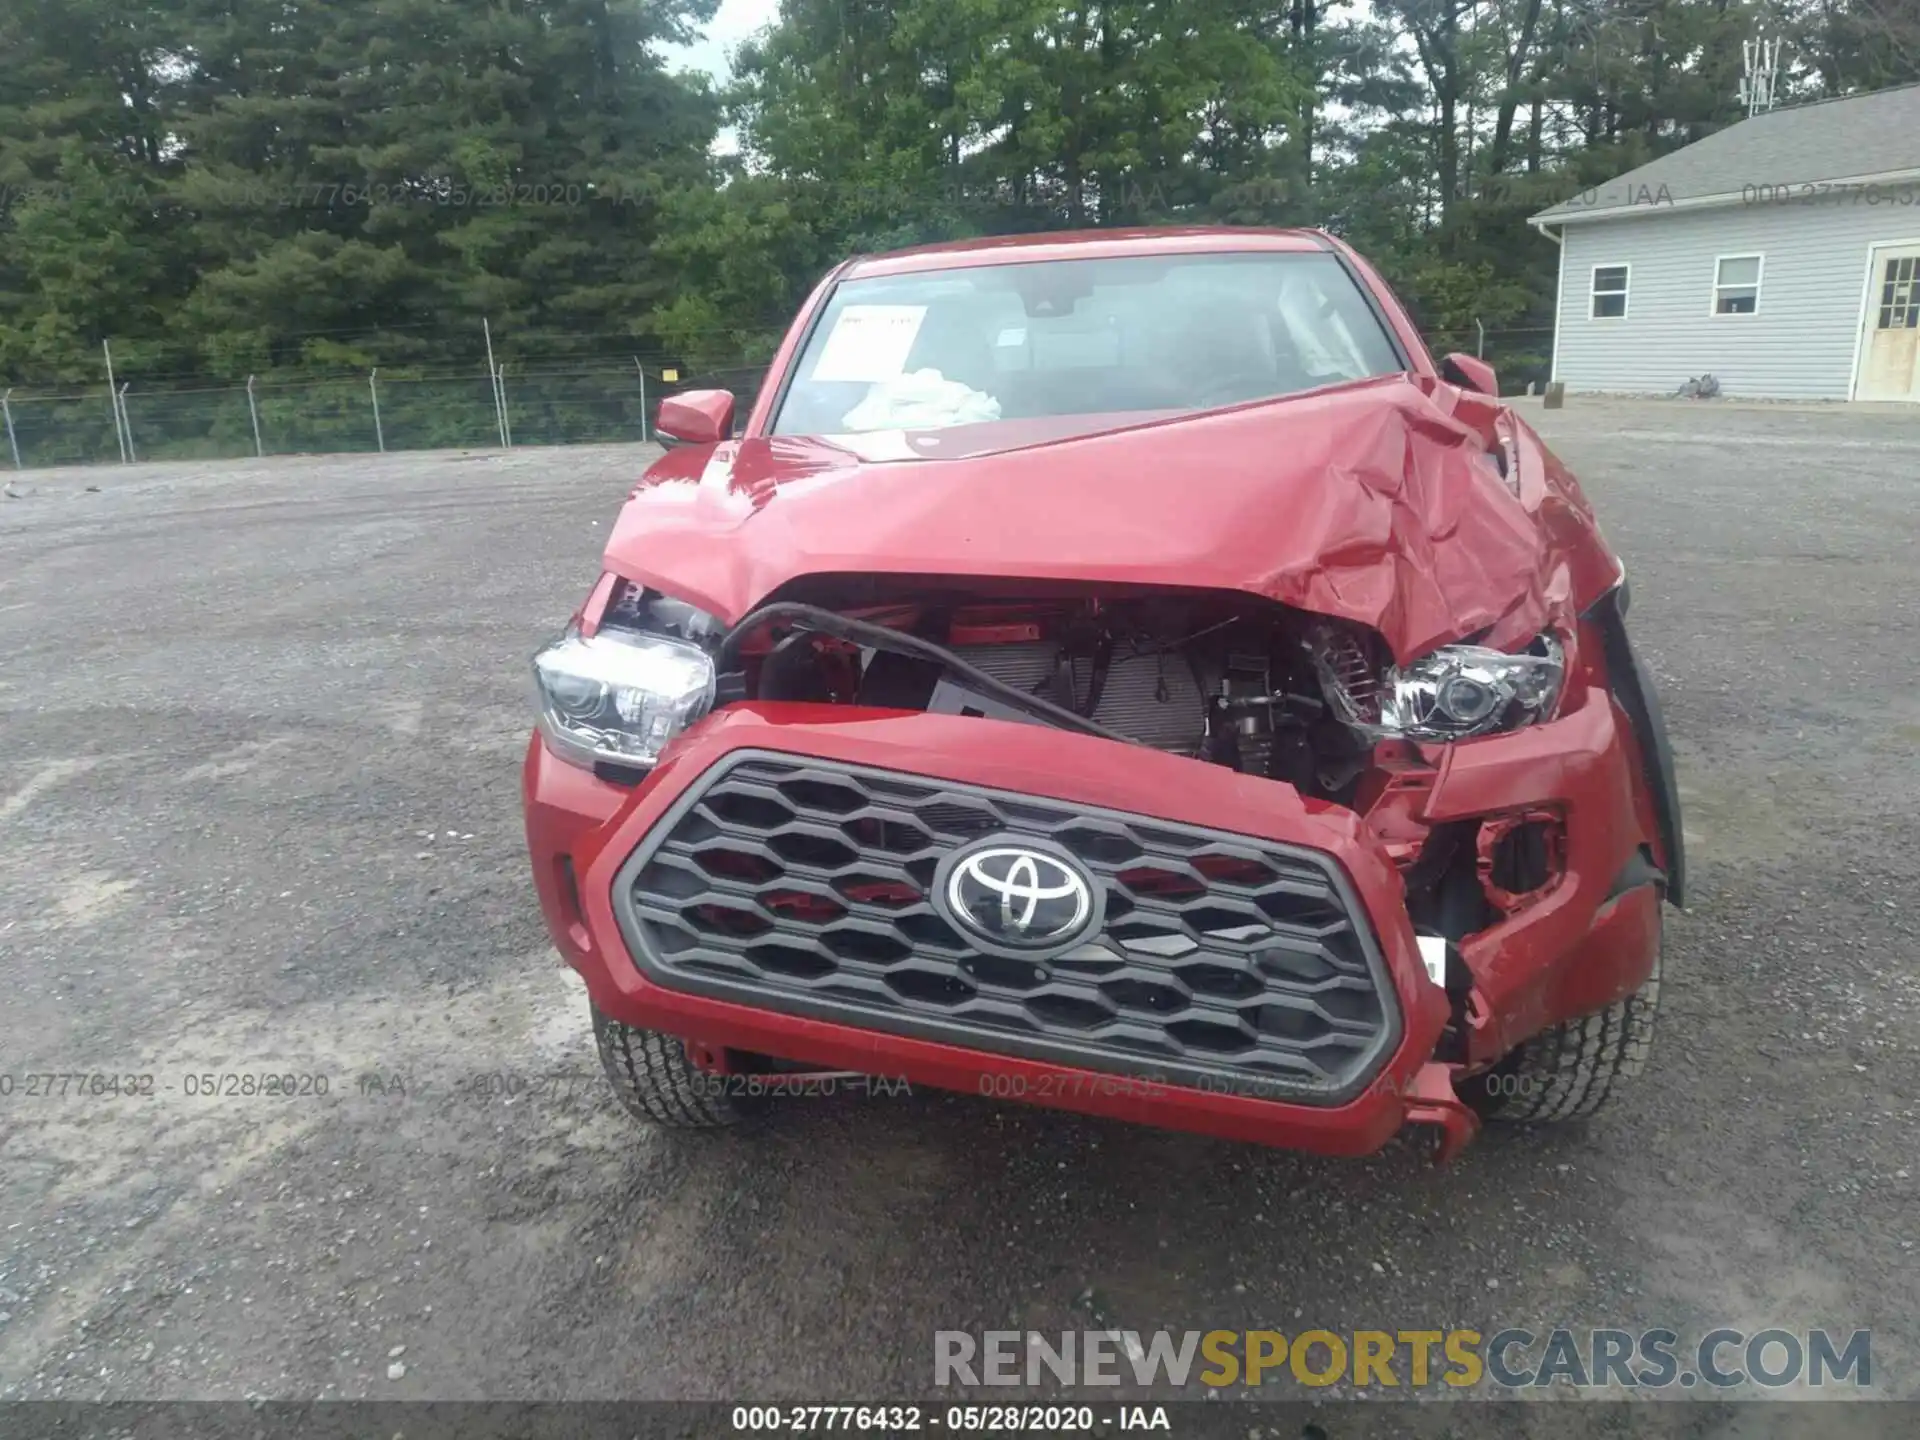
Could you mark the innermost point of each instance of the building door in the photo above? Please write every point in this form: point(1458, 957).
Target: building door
point(1890, 342)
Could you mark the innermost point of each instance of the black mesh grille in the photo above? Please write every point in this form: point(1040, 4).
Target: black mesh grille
point(803, 886)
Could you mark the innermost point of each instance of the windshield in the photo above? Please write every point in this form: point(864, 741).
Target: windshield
point(1104, 340)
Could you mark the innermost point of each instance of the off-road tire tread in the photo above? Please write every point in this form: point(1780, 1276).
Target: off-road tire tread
point(655, 1081)
point(1569, 1072)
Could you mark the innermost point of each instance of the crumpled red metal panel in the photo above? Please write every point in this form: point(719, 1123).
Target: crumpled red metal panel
point(1376, 502)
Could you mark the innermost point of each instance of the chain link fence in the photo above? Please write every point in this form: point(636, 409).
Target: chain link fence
point(421, 408)
point(372, 412)
point(1522, 358)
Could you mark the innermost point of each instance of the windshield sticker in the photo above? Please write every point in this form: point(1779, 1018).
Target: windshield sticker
point(869, 343)
point(1009, 338)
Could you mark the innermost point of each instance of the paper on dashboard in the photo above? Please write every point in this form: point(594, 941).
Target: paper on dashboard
point(869, 343)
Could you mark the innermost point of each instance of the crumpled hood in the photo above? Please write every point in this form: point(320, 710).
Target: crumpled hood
point(1370, 502)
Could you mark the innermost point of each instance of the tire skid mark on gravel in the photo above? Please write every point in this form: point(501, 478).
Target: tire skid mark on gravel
point(45, 777)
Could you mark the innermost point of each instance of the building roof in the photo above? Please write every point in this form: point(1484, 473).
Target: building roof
point(1875, 136)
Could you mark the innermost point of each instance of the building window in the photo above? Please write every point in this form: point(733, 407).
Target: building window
point(1609, 292)
point(1736, 285)
point(1900, 294)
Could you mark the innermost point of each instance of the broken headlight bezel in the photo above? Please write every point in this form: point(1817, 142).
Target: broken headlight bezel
point(621, 695)
point(1457, 692)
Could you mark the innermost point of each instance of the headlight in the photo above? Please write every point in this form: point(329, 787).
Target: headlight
point(620, 696)
point(1456, 692)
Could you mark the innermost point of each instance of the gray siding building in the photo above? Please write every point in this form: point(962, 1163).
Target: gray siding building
point(1781, 255)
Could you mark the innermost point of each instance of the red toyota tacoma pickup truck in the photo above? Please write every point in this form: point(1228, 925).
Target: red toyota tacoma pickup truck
point(1116, 671)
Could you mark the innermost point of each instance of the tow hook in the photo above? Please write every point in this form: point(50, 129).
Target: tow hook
point(1431, 1101)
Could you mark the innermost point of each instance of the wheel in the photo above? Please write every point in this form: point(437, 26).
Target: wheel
point(1568, 1072)
point(656, 1081)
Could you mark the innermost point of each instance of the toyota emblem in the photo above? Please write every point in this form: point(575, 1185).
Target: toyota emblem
point(1018, 896)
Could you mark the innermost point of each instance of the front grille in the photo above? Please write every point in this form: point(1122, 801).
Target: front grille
point(802, 886)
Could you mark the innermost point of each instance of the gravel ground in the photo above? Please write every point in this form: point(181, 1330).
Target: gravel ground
point(259, 815)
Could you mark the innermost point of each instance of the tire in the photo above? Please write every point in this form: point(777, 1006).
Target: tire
point(656, 1082)
point(1570, 1071)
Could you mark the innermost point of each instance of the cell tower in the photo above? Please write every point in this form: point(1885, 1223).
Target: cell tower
point(1762, 73)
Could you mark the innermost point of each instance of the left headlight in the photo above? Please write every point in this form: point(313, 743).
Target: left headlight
point(1456, 692)
point(620, 696)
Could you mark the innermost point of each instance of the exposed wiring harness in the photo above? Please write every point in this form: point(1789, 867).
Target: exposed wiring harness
point(881, 637)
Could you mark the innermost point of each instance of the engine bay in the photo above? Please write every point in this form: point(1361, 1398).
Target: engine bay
point(1223, 678)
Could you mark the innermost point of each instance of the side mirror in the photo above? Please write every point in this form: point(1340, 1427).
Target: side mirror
point(1470, 372)
point(696, 417)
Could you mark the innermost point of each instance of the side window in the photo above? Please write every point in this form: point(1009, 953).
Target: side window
point(1609, 295)
point(1736, 285)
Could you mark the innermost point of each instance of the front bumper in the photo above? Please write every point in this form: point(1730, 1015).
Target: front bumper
point(583, 834)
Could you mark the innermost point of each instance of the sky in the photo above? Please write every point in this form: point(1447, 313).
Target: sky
point(736, 20)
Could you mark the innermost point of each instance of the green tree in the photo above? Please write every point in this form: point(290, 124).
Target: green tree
point(227, 184)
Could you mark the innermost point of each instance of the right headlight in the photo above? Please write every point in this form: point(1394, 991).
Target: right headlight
point(622, 695)
point(1451, 693)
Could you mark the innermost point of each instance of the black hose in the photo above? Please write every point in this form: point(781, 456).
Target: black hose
point(1097, 673)
point(881, 637)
